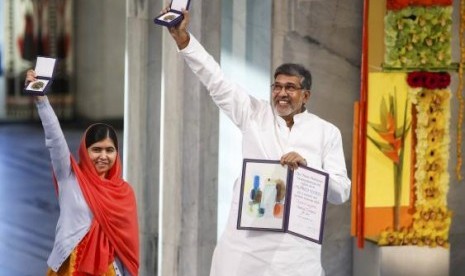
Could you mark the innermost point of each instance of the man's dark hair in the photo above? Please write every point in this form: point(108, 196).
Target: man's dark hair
point(98, 132)
point(298, 70)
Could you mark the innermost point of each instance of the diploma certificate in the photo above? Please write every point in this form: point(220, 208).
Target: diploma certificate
point(275, 198)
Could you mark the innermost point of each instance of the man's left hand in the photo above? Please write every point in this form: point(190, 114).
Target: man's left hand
point(293, 160)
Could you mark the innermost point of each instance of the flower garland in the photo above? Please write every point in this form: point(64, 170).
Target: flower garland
point(418, 37)
point(428, 80)
point(400, 4)
point(431, 221)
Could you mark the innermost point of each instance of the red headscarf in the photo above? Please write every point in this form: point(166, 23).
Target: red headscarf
point(114, 229)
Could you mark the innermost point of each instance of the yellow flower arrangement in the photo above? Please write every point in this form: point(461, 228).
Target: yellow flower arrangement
point(432, 218)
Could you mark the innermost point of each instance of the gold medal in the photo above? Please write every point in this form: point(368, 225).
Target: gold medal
point(37, 85)
point(169, 17)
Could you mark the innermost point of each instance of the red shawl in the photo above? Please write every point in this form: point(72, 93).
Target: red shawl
point(114, 229)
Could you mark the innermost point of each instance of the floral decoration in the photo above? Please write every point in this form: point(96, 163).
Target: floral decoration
point(418, 37)
point(432, 218)
point(400, 4)
point(429, 80)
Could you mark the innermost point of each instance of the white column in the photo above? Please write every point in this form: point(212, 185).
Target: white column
point(99, 58)
point(171, 136)
point(142, 106)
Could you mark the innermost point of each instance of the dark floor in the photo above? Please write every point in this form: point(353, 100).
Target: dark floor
point(29, 208)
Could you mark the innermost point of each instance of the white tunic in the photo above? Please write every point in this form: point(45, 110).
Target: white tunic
point(266, 136)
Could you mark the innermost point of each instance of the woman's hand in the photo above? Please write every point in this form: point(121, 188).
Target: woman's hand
point(293, 160)
point(30, 77)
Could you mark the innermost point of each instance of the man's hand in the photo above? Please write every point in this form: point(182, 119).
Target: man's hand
point(179, 32)
point(293, 160)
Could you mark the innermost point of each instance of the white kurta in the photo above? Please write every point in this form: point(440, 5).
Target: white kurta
point(266, 136)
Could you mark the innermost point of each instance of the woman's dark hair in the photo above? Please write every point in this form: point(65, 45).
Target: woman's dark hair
point(298, 70)
point(98, 132)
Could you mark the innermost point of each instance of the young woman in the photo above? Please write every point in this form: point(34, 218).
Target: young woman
point(97, 230)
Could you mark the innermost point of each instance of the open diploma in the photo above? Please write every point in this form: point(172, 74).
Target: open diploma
point(274, 198)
